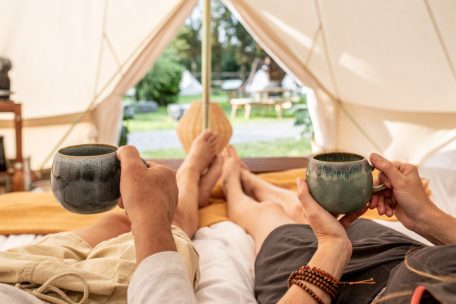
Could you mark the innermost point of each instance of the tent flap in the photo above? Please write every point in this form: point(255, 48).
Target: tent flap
point(75, 59)
point(383, 72)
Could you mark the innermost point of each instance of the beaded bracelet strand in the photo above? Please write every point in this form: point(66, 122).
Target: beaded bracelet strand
point(308, 290)
point(330, 290)
point(321, 279)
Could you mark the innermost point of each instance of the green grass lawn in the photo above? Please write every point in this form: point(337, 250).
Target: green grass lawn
point(281, 147)
point(160, 121)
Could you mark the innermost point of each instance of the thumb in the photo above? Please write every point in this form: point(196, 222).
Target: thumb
point(307, 201)
point(129, 157)
point(386, 167)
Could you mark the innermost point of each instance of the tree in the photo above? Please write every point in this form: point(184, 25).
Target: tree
point(188, 44)
point(161, 83)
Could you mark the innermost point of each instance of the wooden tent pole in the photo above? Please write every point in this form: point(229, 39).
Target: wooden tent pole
point(206, 64)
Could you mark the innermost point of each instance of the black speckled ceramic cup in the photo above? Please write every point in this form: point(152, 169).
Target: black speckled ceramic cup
point(341, 182)
point(86, 178)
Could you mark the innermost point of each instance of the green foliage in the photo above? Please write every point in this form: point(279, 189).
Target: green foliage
point(123, 140)
point(188, 45)
point(302, 118)
point(161, 83)
point(233, 49)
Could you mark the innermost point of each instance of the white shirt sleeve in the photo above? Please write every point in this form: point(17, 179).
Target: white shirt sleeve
point(10, 294)
point(161, 278)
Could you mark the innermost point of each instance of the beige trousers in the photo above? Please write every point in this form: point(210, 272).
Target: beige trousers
point(62, 268)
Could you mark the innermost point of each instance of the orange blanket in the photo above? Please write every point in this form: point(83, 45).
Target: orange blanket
point(39, 213)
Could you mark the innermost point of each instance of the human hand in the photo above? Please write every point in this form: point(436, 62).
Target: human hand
point(405, 197)
point(326, 227)
point(146, 193)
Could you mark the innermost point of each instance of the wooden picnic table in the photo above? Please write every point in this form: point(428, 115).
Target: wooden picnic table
point(268, 97)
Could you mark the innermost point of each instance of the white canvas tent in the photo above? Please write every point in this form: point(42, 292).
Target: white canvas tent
point(260, 81)
point(383, 71)
point(73, 60)
point(189, 85)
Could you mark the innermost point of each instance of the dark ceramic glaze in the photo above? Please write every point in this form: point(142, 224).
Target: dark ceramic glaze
point(340, 182)
point(85, 179)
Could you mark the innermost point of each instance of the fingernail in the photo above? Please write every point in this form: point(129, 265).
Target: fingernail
point(375, 157)
point(299, 182)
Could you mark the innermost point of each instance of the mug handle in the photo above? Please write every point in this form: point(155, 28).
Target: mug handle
point(377, 188)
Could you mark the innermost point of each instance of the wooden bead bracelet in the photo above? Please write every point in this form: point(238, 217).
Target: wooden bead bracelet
point(321, 279)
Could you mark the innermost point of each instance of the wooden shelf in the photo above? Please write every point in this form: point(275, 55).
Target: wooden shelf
point(8, 106)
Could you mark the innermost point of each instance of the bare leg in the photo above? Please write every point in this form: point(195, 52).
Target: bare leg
point(209, 179)
point(261, 190)
point(258, 219)
point(201, 154)
point(107, 227)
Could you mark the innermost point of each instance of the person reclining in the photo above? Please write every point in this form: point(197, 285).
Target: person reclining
point(292, 230)
point(94, 264)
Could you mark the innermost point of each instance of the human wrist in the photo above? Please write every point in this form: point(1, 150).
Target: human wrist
point(151, 236)
point(342, 246)
point(438, 228)
point(332, 256)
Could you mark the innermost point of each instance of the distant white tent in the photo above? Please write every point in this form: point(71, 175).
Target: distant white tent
point(189, 85)
point(289, 83)
point(260, 81)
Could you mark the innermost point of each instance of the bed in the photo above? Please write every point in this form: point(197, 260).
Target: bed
point(224, 247)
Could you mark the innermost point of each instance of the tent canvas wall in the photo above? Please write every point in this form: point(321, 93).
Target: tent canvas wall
point(383, 72)
point(73, 60)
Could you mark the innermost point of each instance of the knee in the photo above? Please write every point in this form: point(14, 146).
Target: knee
point(271, 208)
point(115, 220)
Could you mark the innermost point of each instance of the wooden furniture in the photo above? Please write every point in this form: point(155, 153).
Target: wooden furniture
point(274, 97)
point(8, 106)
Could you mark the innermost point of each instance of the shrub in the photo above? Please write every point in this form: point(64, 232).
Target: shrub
point(161, 83)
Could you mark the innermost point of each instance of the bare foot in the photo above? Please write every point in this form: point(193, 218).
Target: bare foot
point(231, 175)
point(202, 152)
point(208, 180)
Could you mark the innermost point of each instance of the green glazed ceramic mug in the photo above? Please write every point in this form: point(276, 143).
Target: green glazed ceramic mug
point(341, 182)
point(85, 178)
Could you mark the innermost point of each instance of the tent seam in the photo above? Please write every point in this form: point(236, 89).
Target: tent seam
point(440, 38)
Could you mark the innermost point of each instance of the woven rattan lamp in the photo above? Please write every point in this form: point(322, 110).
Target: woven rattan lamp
point(190, 125)
point(205, 114)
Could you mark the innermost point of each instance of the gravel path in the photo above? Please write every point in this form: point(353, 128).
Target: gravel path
point(261, 131)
